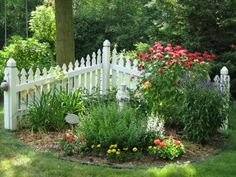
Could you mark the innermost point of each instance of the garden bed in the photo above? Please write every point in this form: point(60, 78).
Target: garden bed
point(49, 142)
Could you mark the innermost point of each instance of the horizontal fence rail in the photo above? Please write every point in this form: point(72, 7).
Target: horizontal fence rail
point(103, 70)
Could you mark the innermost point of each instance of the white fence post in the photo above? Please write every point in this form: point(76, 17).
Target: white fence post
point(106, 53)
point(225, 86)
point(11, 99)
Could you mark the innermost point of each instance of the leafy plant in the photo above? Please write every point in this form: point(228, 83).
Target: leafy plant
point(164, 69)
point(166, 149)
point(48, 112)
point(205, 108)
point(107, 124)
point(68, 143)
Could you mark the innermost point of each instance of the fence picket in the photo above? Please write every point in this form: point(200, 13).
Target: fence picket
point(114, 72)
point(99, 63)
point(89, 73)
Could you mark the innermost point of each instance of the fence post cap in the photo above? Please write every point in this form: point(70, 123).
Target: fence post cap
point(224, 71)
point(11, 62)
point(106, 43)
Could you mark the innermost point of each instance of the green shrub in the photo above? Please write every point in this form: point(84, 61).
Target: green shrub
point(204, 110)
point(27, 53)
point(107, 125)
point(47, 113)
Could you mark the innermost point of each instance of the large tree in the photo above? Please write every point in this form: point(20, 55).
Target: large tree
point(64, 32)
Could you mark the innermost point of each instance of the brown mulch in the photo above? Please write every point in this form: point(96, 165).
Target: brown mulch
point(49, 142)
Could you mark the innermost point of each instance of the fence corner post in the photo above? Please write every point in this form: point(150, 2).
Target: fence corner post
point(225, 86)
point(10, 96)
point(106, 54)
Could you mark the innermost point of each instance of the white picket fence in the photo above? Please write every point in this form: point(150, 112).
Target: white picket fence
point(104, 70)
point(93, 72)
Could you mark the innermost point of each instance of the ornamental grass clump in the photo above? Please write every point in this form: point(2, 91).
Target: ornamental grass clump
point(205, 109)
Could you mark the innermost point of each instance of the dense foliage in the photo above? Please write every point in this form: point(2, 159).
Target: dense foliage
point(205, 109)
point(106, 125)
point(165, 68)
point(27, 53)
point(47, 113)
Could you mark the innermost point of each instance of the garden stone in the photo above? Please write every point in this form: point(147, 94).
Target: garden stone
point(72, 119)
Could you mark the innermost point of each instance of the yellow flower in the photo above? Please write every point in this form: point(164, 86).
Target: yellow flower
point(115, 146)
point(113, 150)
point(109, 151)
point(99, 145)
point(149, 147)
point(92, 146)
point(135, 149)
point(125, 149)
point(146, 84)
point(118, 153)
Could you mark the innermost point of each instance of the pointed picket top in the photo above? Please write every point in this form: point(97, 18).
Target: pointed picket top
point(37, 74)
point(23, 76)
point(99, 57)
point(82, 62)
point(45, 72)
point(51, 71)
point(64, 68)
point(11, 62)
point(94, 59)
point(217, 79)
point(30, 75)
point(70, 67)
point(88, 61)
point(121, 61)
point(76, 65)
point(114, 56)
point(224, 71)
point(128, 63)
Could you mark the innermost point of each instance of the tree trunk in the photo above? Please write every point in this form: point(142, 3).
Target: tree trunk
point(65, 51)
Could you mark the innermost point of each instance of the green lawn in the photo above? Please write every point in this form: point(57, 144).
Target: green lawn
point(18, 160)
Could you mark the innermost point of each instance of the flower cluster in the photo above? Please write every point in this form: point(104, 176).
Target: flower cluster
point(171, 55)
point(68, 142)
point(167, 148)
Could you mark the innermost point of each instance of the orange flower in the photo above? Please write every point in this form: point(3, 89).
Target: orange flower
point(177, 143)
point(157, 142)
point(146, 84)
point(162, 144)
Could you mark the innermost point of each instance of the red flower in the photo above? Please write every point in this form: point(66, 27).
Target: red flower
point(161, 70)
point(151, 49)
point(168, 63)
point(157, 142)
point(178, 47)
point(159, 55)
point(162, 144)
point(183, 52)
point(65, 135)
point(200, 59)
point(188, 64)
point(177, 143)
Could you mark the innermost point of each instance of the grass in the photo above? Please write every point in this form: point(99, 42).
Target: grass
point(18, 160)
